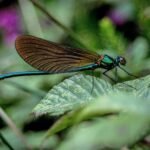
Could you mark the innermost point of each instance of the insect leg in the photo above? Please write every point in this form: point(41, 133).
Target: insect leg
point(105, 74)
point(116, 74)
point(92, 81)
point(128, 72)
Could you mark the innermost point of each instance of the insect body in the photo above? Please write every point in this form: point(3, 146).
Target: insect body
point(50, 58)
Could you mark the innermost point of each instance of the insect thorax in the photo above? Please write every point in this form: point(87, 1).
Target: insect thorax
point(106, 62)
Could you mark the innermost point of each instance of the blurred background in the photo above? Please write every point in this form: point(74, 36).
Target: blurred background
point(112, 27)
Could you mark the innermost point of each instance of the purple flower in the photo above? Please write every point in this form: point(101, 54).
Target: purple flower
point(118, 17)
point(9, 24)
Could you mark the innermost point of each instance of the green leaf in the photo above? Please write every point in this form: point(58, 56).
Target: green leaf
point(110, 39)
point(129, 124)
point(138, 53)
point(103, 101)
point(109, 132)
point(77, 91)
point(113, 104)
point(141, 85)
point(72, 93)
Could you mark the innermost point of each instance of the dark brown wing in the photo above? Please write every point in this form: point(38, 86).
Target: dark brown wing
point(48, 56)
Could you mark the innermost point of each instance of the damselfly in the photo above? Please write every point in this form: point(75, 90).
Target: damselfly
point(52, 58)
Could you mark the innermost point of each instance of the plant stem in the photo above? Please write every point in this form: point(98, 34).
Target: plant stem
point(12, 125)
point(6, 142)
point(37, 93)
point(58, 23)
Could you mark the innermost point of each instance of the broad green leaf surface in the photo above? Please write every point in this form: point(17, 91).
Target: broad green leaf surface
point(117, 106)
point(142, 86)
point(129, 122)
point(109, 132)
point(79, 90)
point(72, 93)
point(124, 103)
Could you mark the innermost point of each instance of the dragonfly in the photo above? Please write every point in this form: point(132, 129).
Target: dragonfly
point(52, 58)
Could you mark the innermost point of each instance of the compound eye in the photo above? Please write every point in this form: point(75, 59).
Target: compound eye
point(122, 61)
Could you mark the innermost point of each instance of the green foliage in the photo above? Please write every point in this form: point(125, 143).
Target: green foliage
point(143, 15)
point(93, 115)
point(124, 113)
point(71, 93)
point(113, 132)
point(79, 89)
point(110, 39)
